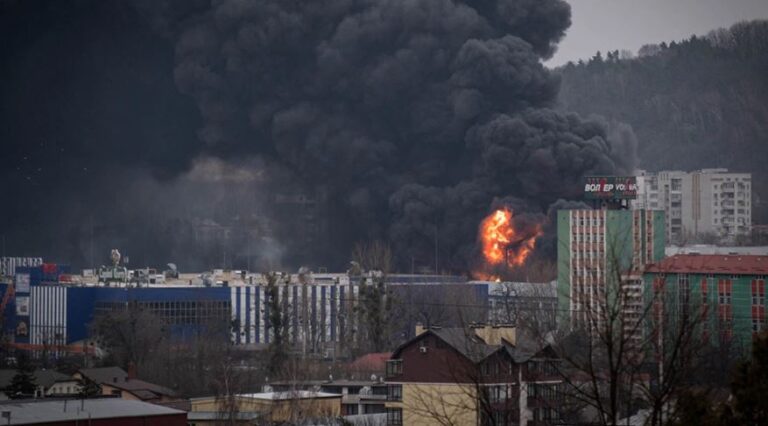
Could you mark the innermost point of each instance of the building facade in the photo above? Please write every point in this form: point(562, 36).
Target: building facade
point(703, 202)
point(728, 289)
point(600, 248)
point(471, 376)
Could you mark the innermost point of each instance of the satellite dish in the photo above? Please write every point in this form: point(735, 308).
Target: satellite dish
point(172, 266)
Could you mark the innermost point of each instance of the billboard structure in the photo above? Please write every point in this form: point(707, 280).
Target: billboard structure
point(610, 188)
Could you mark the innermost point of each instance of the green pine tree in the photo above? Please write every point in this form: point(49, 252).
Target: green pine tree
point(23, 383)
point(89, 389)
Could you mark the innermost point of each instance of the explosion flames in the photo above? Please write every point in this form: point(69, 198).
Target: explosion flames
point(503, 243)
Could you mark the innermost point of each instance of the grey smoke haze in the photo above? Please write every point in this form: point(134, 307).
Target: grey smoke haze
point(401, 120)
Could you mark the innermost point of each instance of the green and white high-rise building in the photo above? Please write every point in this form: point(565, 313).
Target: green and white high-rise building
point(599, 248)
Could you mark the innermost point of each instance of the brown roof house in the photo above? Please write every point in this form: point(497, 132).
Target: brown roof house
point(472, 376)
point(116, 381)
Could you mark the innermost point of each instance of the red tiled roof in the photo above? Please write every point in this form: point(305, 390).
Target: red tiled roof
point(371, 362)
point(712, 264)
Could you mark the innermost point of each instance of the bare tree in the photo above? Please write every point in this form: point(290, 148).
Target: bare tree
point(227, 385)
point(623, 348)
point(131, 334)
point(373, 256)
point(373, 311)
point(278, 322)
point(674, 345)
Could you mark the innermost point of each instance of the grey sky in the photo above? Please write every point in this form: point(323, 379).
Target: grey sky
point(628, 24)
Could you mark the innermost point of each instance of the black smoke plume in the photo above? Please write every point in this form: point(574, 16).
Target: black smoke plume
point(403, 121)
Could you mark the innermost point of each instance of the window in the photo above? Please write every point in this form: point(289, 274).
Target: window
point(758, 292)
point(394, 367)
point(542, 368)
point(547, 392)
point(394, 416)
point(501, 417)
point(394, 392)
point(758, 304)
point(545, 415)
point(724, 287)
point(485, 369)
point(497, 393)
point(684, 290)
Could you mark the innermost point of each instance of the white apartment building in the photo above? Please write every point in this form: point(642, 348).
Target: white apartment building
point(707, 201)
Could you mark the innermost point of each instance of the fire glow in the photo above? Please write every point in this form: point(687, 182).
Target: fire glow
point(503, 243)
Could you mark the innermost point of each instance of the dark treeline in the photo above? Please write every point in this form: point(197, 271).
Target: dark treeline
point(698, 103)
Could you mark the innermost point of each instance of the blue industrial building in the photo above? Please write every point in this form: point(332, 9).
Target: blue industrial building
point(42, 307)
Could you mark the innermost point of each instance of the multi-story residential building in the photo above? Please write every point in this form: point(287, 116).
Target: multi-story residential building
point(707, 201)
point(471, 376)
point(602, 248)
point(730, 289)
point(663, 191)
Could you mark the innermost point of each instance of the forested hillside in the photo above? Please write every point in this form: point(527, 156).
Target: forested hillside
point(702, 102)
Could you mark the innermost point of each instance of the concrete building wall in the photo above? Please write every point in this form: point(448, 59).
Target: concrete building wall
point(428, 404)
point(707, 201)
point(277, 410)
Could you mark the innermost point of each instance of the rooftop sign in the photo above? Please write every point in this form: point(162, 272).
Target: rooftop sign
point(610, 188)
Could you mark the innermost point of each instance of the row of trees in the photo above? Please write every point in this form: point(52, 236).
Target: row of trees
point(690, 103)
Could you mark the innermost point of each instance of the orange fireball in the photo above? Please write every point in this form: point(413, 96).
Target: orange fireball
point(503, 243)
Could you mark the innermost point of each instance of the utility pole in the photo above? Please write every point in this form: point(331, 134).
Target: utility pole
point(436, 247)
point(91, 244)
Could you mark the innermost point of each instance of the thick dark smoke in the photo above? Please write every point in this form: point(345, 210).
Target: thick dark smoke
point(403, 120)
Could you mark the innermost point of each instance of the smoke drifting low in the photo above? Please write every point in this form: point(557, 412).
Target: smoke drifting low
point(405, 121)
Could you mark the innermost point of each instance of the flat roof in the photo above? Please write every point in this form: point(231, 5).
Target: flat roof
point(712, 264)
point(339, 382)
point(215, 415)
point(60, 410)
point(281, 396)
